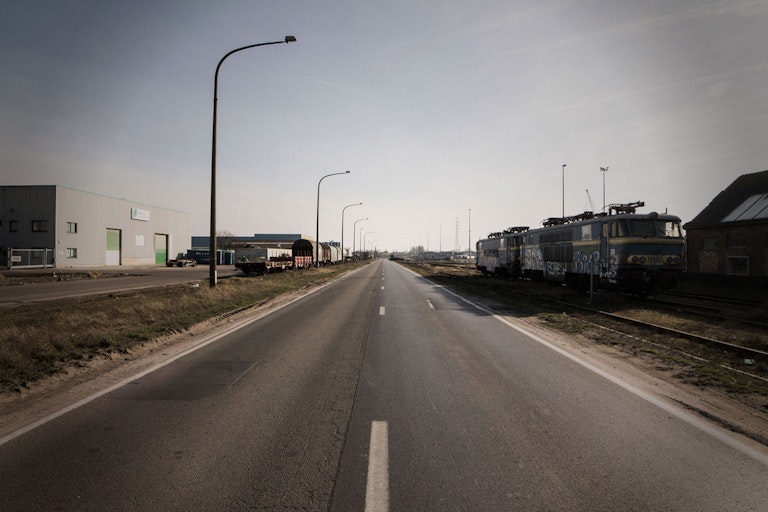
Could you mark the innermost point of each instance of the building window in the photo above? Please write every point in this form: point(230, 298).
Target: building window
point(71, 227)
point(737, 242)
point(709, 243)
point(13, 226)
point(39, 226)
point(738, 266)
point(71, 253)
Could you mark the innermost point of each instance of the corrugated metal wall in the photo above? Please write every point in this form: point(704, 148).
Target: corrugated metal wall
point(77, 222)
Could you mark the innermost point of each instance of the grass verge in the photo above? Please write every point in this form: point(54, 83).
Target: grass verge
point(42, 339)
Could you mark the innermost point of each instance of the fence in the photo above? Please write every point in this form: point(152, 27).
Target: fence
point(30, 258)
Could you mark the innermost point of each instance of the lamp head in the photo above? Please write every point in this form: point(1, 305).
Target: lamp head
point(290, 39)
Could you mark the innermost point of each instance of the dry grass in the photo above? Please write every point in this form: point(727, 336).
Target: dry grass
point(44, 338)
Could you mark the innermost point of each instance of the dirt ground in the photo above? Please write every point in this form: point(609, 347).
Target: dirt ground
point(82, 382)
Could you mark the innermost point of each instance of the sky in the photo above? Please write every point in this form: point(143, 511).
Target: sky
point(454, 118)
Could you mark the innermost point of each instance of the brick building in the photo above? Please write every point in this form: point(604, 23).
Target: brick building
point(729, 238)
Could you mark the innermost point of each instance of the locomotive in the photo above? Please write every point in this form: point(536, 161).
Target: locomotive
point(620, 250)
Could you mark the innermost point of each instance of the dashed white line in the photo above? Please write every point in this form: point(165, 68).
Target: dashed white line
point(431, 306)
point(377, 485)
point(382, 310)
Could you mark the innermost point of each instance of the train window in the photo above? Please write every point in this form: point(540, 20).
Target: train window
point(619, 228)
point(565, 235)
point(645, 229)
point(672, 230)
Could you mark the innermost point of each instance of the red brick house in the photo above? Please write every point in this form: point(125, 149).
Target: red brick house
point(729, 238)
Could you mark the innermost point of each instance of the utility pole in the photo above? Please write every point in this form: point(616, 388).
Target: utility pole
point(604, 170)
point(563, 190)
point(469, 237)
point(456, 246)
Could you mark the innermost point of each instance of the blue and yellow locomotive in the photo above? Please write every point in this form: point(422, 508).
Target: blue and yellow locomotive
point(621, 250)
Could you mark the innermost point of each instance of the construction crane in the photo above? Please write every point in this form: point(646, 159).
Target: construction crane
point(591, 204)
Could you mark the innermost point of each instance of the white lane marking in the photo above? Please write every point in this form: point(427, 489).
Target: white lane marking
point(382, 287)
point(431, 306)
point(705, 426)
point(382, 310)
point(377, 486)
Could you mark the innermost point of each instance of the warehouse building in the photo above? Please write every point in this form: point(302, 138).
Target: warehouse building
point(728, 240)
point(55, 226)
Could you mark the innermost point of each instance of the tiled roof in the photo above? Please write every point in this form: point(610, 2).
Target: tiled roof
point(745, 200)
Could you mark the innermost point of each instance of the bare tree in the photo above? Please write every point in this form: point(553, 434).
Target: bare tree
point(225, 240)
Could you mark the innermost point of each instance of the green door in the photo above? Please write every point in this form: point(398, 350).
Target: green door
point(113, 247)
point(161, 249)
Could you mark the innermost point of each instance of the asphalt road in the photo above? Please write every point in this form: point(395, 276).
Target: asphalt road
point(113, 279)
point(380, 392)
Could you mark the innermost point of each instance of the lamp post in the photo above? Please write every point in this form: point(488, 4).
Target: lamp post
point(317, 218)
point(563, 190)
point(354, 234)
point(342, 227)
point(212, 268)
point(469, 237)
point(365, 235)
point(603, 170)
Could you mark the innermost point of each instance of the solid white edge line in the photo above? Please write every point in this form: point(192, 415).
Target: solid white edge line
point(236, 326)
point(692, 420)
point(377, 484)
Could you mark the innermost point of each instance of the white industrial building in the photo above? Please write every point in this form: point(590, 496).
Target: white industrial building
point(61, 227)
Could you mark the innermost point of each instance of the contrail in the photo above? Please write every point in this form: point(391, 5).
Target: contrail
point(338, 87)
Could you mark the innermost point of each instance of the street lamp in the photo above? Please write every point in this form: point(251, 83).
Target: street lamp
point(469, 237)
point(365, 235)
point(563, 190)
point(342, 227)
point(361, 241)
point(354, 234)
point(603, 170)
point(317, 218)
point(212, 274)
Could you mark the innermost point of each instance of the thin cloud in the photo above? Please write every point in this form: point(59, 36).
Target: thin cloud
point(715, 9)
point(329, 84)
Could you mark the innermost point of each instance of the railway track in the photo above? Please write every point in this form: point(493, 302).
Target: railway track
point(739, 350)
point(709, 311)
point(716, 299)
point(715, 321)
